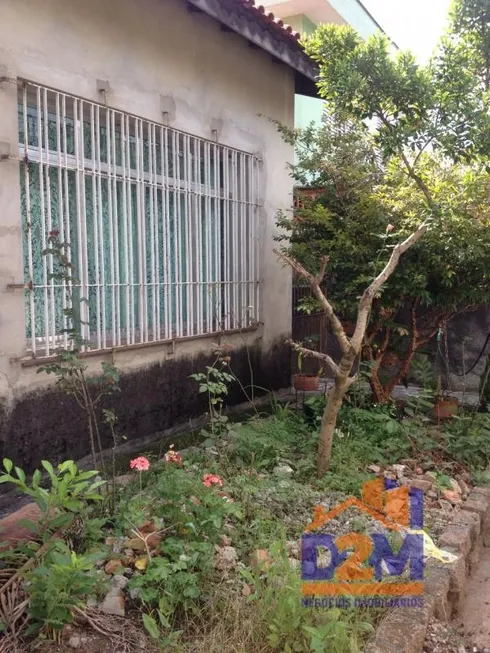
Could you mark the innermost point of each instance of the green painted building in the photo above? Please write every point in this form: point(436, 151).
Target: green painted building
point(304, 16)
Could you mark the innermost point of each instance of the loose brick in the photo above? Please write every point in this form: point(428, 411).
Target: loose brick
point(403, 630)
point(458, 537)
point(471, 519)
point(477, 503)
point(485, 491)
point(474, 557)
point(436, 585)
point(420, 484)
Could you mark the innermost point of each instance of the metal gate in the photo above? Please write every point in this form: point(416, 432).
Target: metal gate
point(311, 330)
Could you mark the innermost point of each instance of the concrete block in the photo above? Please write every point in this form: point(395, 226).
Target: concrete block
point(458, 537)
point(478, 503)
point(467, 518)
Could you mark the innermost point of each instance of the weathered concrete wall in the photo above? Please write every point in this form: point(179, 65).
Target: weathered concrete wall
point(145, 49)
point(46, 423)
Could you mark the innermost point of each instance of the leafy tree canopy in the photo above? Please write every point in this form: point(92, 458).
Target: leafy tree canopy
point(401, 144)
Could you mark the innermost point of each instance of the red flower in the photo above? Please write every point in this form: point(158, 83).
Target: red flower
point(212, 479)
point(140, 464)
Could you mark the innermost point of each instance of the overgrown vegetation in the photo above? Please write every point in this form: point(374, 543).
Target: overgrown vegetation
point(209, 536)
point(401, 170)
point(203, 545)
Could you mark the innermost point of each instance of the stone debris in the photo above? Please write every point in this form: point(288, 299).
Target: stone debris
point(226, 558)
point(283, 470)
point(113, 602)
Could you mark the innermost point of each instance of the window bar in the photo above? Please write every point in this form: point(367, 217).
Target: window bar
point(138, 229)
point(130, 232)
point(153, 277)
point(242, 243)
point(95, 227)
point(234, 241)
point(161, 225)
point(61, 217)
point(79, 267)
point(51, 287)
point(124, 200)
point(225, 239)
point(144, 278)
point(27, 182)
point(188, 242)
point(117, 276)
point(256, 243)
point(211, 217)
point(156, 226)
point(168, 306)
point(110, 220)
point(83, 245)
point(178, 273)
point(39, 113)
point(206, 219)
point(141, 228)
point(251, 243)
point(198, 242)
point(102, 278)
point(68, 234)
point(217, 316)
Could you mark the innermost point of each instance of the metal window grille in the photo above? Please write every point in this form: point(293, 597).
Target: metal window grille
point(162, 225)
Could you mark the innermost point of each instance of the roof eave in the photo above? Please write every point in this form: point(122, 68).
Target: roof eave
point(283, 48)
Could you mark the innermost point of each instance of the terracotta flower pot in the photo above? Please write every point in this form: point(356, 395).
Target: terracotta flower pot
point(306, 382)
point(446, 408)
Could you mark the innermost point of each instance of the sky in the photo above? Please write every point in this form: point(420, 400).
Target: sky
point(413, 24)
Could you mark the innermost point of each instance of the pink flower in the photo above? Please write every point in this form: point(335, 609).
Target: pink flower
point(212, 479)
point(173, 456)
point(140, 464)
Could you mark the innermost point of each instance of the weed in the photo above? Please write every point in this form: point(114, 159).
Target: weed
point(68, 367)
point(68, 495)
point(63, 582)
point(467, 439)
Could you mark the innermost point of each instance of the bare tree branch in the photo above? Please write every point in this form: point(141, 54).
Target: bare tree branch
point(311, 353)
point(374, 287)
point(315, 281)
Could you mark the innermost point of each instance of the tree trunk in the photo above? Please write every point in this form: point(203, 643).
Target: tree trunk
point(330, 414)
point(377, 389)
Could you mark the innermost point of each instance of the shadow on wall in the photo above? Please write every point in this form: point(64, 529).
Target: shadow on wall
point(49, 424)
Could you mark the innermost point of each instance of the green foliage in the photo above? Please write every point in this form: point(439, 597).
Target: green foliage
point(313, 408)
point(467, 439)
point(62, 583)
point(292, 627)
point(423, 160)
point(194, 517)
point(68, 368)
point(68, 494)
point(262, 444)
point(215, 381)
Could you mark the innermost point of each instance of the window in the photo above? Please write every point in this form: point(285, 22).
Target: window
point(162, 225)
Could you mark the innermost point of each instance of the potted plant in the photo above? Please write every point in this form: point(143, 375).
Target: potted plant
point(445, 406)
point(305, 382)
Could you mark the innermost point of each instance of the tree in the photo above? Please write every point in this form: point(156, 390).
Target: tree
point(427, 119)
point(362, 207)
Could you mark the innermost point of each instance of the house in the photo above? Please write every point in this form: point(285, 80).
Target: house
point(139, 132)
point(304, 16)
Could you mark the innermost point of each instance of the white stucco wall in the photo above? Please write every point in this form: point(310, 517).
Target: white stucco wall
point(145, 49)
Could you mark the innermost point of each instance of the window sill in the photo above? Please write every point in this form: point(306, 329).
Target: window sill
point(40, 360)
